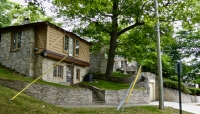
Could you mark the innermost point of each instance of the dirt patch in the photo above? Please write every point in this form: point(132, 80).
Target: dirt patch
point(198, 105)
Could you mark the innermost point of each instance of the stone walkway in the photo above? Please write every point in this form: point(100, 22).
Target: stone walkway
point(189, 107)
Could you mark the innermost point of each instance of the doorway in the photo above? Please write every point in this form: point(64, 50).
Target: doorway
point(70, 75)
point(151, 91)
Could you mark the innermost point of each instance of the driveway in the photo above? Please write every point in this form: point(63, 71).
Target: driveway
point(189, 107)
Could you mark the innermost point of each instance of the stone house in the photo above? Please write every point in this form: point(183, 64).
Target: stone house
point(33, 48)
point(98, 63)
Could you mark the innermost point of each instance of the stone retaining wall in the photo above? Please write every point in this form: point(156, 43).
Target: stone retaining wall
point(80, 96)
point(137, 96)
point(173, 95)
point(50, 94)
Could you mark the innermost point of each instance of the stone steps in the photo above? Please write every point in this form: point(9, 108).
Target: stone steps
point(96, 100)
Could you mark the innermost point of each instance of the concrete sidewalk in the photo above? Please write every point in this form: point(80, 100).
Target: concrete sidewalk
point(189, 107)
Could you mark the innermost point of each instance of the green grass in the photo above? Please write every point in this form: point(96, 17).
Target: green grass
point(106, 85)
point(24, 104)
point(11, 75)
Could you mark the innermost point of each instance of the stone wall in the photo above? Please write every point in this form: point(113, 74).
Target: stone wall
point(53, 95)
point(173, 95)
point(137, 97)
point(21, 61)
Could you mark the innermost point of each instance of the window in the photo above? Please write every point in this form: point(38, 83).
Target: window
point(16, 41)
point(78, 74)
point(66, 43)
point(123, 63)
point(58, 71)
point(71, 47)
point(77, 47)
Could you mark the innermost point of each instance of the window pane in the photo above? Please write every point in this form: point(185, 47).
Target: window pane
point(19, 39)
point(59, 71)
point(77, 47)
point(14, 41)
point(69, 74)
point(55, 71)
point(78, 74)
point(66, 43)
point(71, 47)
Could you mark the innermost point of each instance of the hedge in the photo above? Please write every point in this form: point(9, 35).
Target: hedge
point(173, 85)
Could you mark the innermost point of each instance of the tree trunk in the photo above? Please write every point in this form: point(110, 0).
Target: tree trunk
point(113, 40)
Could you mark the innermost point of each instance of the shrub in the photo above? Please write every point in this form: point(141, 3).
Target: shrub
point(193, 90)
point(187, 91)
point(174, 78)
point(173, 85)
point(198, 92)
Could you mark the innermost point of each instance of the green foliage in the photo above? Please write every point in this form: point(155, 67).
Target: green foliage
point(193, 91)
point(187, 91)
point(13, 14)
point(124, 26)
point(173, 85)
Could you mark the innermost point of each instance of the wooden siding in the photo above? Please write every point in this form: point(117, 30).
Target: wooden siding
point(40, 38)
point(55, 42)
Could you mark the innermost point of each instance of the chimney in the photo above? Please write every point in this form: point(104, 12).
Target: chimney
point(26, 21)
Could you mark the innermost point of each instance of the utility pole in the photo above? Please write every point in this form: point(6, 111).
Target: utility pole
point(161, 101)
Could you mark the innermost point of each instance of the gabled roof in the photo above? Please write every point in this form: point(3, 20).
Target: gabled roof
point(6, 29)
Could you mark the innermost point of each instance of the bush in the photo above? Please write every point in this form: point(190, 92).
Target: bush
point(174, 78)
point(193, 90)
point(173, 85)
point(198, 92)
point(187, 91)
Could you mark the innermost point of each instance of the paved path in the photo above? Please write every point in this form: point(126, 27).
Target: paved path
point(189, 107)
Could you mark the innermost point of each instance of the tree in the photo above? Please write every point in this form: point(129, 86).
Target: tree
point(5, 15)
point(14, 14)
point(114, 18)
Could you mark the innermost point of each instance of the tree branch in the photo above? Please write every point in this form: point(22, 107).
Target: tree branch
point(129, 27)
point(102, 27)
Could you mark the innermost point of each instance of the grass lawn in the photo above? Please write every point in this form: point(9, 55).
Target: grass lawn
point(102, 84)
point(24, 104)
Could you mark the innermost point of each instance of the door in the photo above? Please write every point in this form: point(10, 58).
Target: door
point(151, 93)
point(70, 74)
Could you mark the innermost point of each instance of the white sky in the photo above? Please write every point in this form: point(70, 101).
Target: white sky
point(22, 2)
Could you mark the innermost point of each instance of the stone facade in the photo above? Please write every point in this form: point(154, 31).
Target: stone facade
point(21, 60)
point(98, 62)
point(48, 63)
point(26, 62)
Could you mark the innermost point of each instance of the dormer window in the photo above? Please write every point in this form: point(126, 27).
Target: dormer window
point(16, 41)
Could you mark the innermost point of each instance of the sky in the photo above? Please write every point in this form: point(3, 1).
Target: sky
point(22, 2)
